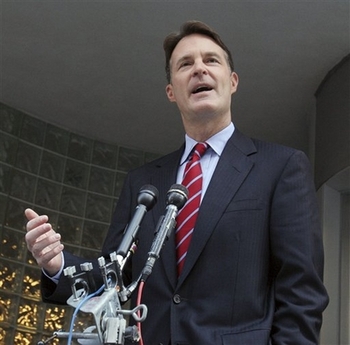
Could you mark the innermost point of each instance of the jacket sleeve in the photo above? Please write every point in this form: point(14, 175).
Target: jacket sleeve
point(297, 256)
point(59, 293)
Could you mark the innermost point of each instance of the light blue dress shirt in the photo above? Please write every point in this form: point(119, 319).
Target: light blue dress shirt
point(211, 157)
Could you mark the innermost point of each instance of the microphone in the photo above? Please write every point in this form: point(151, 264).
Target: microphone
point(176, 199)
point(147, 198)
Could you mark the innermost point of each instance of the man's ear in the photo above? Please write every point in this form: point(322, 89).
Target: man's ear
point(234, 82)
point(170, 93)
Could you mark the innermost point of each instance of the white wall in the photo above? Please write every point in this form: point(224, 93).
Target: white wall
point(335, 212)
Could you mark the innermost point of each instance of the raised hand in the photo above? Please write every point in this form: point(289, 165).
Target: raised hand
point(43, 242)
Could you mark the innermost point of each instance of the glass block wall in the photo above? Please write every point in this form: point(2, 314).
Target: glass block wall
point(76, 182)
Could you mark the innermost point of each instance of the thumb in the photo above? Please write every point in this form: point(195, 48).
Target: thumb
point(30, 214)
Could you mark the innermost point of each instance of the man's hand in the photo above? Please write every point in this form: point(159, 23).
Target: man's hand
point(43, 242)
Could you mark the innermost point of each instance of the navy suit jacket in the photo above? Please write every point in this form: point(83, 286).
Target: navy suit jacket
point(253, 272)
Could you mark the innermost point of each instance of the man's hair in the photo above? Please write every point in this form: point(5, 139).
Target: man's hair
point(189, 28)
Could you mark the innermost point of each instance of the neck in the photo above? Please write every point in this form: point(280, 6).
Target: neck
point(202, 131)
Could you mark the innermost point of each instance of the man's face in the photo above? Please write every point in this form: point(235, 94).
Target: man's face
point(201, 80)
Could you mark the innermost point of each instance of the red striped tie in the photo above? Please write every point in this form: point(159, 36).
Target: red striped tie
point(187, 216)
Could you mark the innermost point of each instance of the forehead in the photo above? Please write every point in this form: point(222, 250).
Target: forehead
point(195, 43)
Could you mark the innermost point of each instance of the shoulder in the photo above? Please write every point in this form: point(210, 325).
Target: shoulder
point(274, 149)
point(262, 147)
point(268, 153)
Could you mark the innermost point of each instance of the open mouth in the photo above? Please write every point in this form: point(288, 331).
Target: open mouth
point(202, 89)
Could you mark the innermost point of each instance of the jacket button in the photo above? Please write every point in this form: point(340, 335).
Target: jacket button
point(177, 299)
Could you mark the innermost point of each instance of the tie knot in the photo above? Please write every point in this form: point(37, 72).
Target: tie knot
point(199, 150)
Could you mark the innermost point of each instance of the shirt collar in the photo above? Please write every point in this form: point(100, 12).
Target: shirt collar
point(217, 142)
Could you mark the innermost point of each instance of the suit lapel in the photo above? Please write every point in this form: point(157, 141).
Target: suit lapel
point(233, 167)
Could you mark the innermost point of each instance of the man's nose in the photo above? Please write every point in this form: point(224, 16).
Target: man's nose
point(199, 68)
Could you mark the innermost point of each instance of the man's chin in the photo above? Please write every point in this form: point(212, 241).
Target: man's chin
point(204, 108)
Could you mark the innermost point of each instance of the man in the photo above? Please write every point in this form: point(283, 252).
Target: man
point(252, 274)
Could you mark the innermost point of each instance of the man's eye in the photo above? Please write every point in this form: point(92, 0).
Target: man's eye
point(213, 60)
point(184, 64)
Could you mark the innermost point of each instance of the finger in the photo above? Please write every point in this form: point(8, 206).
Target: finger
point(43, 246)
point(36, 222)
point(34, 219)
point(37, 234)
point(30, 214)
point(50, 259)
point(49, 254)
point(45, 243)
